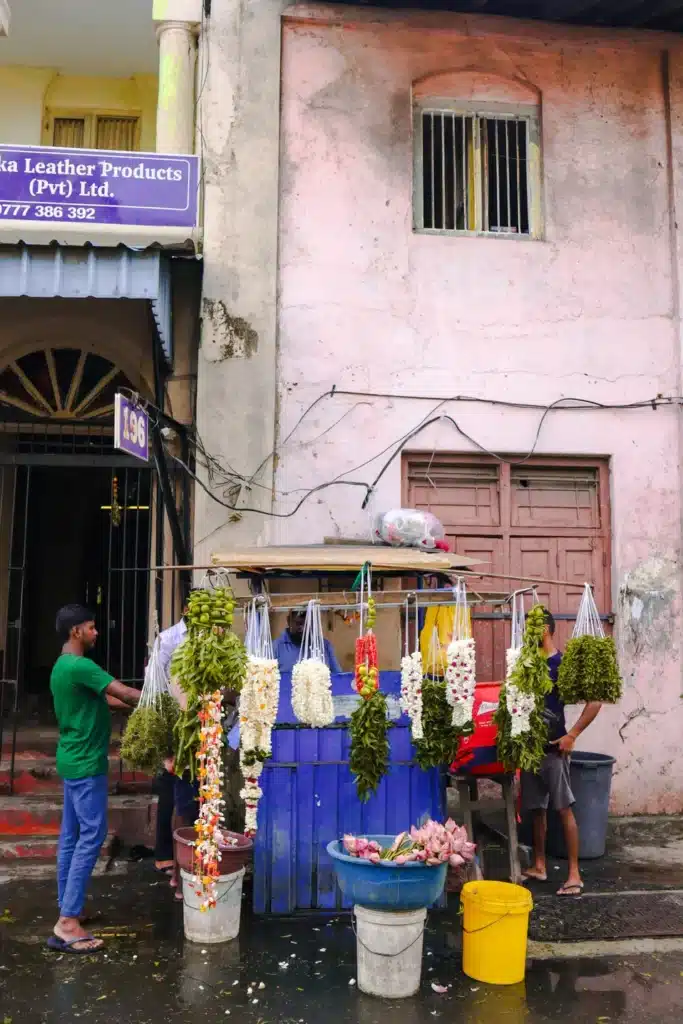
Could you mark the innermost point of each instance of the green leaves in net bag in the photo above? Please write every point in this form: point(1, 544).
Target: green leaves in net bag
point(589, 669)
point(148, 736)
point(522, 744)
point(369, 754)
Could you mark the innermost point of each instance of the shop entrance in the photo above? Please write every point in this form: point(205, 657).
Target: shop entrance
point(75, 526)
point(79, 533)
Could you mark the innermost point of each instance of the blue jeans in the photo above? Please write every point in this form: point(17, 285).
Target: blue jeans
point(84, 829)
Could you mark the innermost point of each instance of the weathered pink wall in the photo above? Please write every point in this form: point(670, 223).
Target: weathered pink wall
point(591, 311)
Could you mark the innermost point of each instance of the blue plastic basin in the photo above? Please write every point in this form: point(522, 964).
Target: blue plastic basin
point(387, 886)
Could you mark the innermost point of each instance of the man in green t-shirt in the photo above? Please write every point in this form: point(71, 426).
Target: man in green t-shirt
point(82, 694)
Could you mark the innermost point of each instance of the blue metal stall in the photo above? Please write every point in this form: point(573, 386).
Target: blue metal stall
point(309, 798)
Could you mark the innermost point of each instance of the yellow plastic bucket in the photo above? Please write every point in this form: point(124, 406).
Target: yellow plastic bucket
point(495, 927)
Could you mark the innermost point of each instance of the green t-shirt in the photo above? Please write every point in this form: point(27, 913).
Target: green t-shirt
point(83, 716)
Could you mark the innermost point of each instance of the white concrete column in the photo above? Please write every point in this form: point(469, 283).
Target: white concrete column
point(175, 103)
point(237, 360)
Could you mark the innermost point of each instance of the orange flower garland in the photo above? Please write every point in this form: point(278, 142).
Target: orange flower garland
point(211, 803)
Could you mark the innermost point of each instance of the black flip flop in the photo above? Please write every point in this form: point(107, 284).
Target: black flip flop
point(58, 945)
point(572, 891)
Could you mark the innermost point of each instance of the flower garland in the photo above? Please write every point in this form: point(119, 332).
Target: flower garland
point(519, 705)
point(258, 707)
point(312, 693)
point(460, 679)
point(311, 678)
point(411, 692)
point(366, 669)
point(522, 730)
point(211, 803)
point(369, 753)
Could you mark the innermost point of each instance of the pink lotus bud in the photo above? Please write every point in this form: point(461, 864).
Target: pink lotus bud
point(350, 845)
point(433, 860)
point(401, 859)
point(398, 840)
point(455, 860)
point(374, 858)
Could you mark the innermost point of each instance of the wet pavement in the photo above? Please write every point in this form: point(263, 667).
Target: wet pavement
point(299, 971)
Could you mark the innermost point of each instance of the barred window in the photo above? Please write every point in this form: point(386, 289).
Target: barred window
point(476, 172)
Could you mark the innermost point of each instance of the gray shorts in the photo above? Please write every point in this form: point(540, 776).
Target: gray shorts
point(551, 786)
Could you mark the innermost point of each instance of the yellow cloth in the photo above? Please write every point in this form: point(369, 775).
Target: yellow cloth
point(434, 645)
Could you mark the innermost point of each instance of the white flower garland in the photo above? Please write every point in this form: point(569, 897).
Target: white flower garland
point(251, 792)
point(312, 693)
point(519, 705)
point(258, 707)
point(411, 692)
point(461, 680)
point(211, 803)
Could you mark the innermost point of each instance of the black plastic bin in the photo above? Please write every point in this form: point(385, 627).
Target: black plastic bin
point(591, 778)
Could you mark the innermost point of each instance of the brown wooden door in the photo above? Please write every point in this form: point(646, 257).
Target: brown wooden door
point(547, 519)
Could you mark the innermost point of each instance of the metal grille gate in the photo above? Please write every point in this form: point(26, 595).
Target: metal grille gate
point(45, 469)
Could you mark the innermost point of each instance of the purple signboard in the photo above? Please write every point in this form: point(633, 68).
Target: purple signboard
point(131, 428)
point(72, 186)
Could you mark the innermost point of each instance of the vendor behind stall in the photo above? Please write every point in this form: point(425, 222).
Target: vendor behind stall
point(287, 647)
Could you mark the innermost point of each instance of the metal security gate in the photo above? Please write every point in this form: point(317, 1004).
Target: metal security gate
point(547, 518)
point(77, 523)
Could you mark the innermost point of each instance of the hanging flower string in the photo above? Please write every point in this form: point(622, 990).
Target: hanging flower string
point(258, 708)
point(311, 680)
point(460, 680)
point(366, 675)
point(369, 754)
point(210, 775)
point(411, 679)
point(460, 674)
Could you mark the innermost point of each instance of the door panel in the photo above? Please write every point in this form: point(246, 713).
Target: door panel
point(547, 520)
point(491, 635)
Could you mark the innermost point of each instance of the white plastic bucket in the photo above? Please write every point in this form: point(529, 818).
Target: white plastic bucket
point(222, 922)
point(389, 951)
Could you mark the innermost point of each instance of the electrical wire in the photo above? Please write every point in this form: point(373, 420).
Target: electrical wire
point(233, 482)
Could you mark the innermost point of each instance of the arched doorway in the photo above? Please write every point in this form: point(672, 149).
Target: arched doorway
point(75, 521)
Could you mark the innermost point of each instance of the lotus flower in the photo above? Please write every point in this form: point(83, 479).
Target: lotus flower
point(431, 844)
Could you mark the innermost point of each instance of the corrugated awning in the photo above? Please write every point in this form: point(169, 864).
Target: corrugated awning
point(75, 272)
point(18, 232)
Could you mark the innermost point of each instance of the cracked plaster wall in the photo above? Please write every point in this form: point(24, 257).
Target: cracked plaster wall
point(590, 312)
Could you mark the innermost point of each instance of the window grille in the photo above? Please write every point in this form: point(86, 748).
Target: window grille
point(95, 131)
point(476, 173)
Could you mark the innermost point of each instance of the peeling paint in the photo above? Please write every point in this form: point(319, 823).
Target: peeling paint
point(646, 605)
point(233, 336)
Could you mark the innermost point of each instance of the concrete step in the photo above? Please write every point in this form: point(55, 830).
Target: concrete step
point(35, 848)
point(36, 774)
point(44, 870)
point(131, 818)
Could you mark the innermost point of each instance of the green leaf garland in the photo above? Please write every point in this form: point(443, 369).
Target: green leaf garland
point(369, 754)
point(441, 739)
point(531, 676)
point(589, 671)
point(210, 658)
